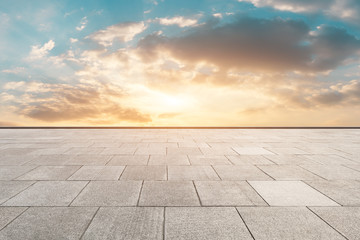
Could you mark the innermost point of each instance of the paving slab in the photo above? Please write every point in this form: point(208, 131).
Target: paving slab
point(119, 151)
point(344, 192)
point(228, 193)
point(183, 151)
point(209, 160)
point(129, 160)
point(328, 159)
point(151, 151)
point(48, 193)
point(204, 223)
point(168, 193)
point(169, 160)
point(144, 173)
point(218, 151)
point(49, 173)
point(50, 160)
point(290, 193)
point(333, 172)
point(240, 172)
point(127, 223)
point(98, 173)
point(249, 160)
point(286, 150)
point(12, 172)
point(109, 193)
point(16, 160)
point(83, 150)
point(8, 214)
point(252, 151)
point(345, 220)
point(289, 159)
point(288, 172)
point(9, 189)
point(88, 159)
point(192, 173)
point(44, 223)
point(296, 223)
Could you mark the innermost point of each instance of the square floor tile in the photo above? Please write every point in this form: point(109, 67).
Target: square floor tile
point(240, 172)
point(168, 193)
point(127, 223)
point(15, 160)
point(345, 192)
point(288, 172)
point(346, 220)
point(119, 151)
point(129, 160)
point(43, 223)
point(192, 173)
point(48, 193)
point(290, 193)
point(151, 151)
point(333, 172)
point(144, 173)
point(227, 193)
point(88, 159)
point(109, 193)
point(169, 160)
point(7, 214)
point(49, 173)
point(98, 173)
point(289, 159)
point(204, 223)
point(295, 223)
point(183, 151)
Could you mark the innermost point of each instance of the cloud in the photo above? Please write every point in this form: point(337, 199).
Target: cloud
point(258, 45)
point(16, 70)
point(348, 10)
point(168, 115)
point(177, 20)
point(38, 51)
point(82, 24)
point(122, 32)
point(77, 102)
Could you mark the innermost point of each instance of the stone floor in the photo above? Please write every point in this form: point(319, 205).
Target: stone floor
point(179, 184)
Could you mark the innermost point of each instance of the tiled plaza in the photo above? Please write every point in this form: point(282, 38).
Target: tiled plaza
point(179, 184)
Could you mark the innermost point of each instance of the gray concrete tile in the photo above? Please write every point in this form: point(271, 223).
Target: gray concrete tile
point(192, 173)
point(290, 193)
point(183, 151)
point(119, 151)
point(296, 223)
point(15, 160)
point(16, 151)
point(83, 150)
point(345, 192)
point(353, 166)
point(217, 151)
point(9, 189)
point(169, 160)
point(109, 193)
point(209, 160)
point(328, 159)
point(7, 214)
point(98, 173)
point(168, 193)
point(49, 173)
point(288, 172)
point(286, 150)
point(289, 159)
point(346, 220)
point(252, 151)
point(150, 151)
point(49, 151)
point(50, 160)
point(88, 159)
point(204, 223)
point(144, 173)
point(48, 193)
point(126, 223)
point(12, 172)
point(44, 223)
point(240, 172)
point(249, 160)
point(333, 172)
point(129, 160)
point(227, 193)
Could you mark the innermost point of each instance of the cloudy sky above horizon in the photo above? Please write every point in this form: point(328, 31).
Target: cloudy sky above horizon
point(180, 63)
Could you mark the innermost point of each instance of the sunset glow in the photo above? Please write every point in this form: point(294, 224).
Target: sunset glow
point(180, 63)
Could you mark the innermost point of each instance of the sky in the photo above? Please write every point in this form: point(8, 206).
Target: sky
point(180, 63)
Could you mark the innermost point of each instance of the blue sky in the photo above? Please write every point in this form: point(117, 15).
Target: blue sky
point(172, 62)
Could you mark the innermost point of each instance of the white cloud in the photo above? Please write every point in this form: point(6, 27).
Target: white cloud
point(14, 70)
point(73, 40)
point(123, 32)
point(217, 15)
point(38, 51)
point(177, 20)
point(83, 23)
